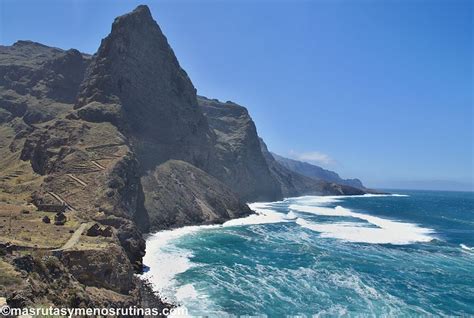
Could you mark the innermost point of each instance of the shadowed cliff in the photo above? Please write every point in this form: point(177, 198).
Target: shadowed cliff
point(238, 151)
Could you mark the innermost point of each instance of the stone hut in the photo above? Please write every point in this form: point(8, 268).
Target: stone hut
point(94, 230)
point(60, 219)
point(107, 232)
point(58, 208)
point(45, 202)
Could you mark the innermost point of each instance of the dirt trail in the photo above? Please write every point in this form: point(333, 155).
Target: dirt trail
point(81, 182)
point(104, 146)
point(73, 239)
point(57, 197)
point(98, 165)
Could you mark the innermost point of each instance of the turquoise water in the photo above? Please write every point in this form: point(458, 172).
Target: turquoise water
point(370, 255)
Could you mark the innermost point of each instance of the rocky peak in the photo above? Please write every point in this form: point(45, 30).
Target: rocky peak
point(139, 17)
point(136, 76)
point(28, 43)
point(136, 52)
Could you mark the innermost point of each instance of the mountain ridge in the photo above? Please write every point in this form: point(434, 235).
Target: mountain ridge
point(316, 172)
point(119, 142)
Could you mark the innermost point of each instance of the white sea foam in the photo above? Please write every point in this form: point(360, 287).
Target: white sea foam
point(385, 232)
point(264, 214)
point(467, 248)
point(186, 292)
point(166, 260)
point(171, 260)
point(316, 200)
point(323, 200)
point(291, 216)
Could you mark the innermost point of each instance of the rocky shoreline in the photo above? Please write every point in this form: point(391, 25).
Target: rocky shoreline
point(110, 147)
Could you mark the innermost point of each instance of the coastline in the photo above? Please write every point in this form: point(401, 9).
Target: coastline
point(159, 281)
point(150, 286)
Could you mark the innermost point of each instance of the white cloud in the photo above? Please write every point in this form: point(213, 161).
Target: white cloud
point(315, 157)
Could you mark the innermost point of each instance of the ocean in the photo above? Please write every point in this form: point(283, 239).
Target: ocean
point(410, 254)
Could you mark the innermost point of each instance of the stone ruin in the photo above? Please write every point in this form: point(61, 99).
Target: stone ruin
point(60, 219)
point(58, 208)
point(48, 204)
point(96, 230)
point(5, 248)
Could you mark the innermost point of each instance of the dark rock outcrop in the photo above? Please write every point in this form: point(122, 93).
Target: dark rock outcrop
point(186, 195)
point(248, 167)
point(316, 172)
point(136, 82)
point(108, 269)
point(239, 157)
point(38, 82)
point(38, 70)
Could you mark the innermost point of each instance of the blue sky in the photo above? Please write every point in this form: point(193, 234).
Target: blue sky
point(381, 90)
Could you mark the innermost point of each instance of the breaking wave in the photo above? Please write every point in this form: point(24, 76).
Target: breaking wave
point(294, 253)
point(375, 230)
point(168, 260)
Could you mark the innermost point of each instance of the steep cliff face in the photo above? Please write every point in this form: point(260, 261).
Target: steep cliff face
point(136, 82)
point(249, 168)
point(37, 82)
point(238, 151)
point(315, 172)
point(189, 196)
point(295, 184)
